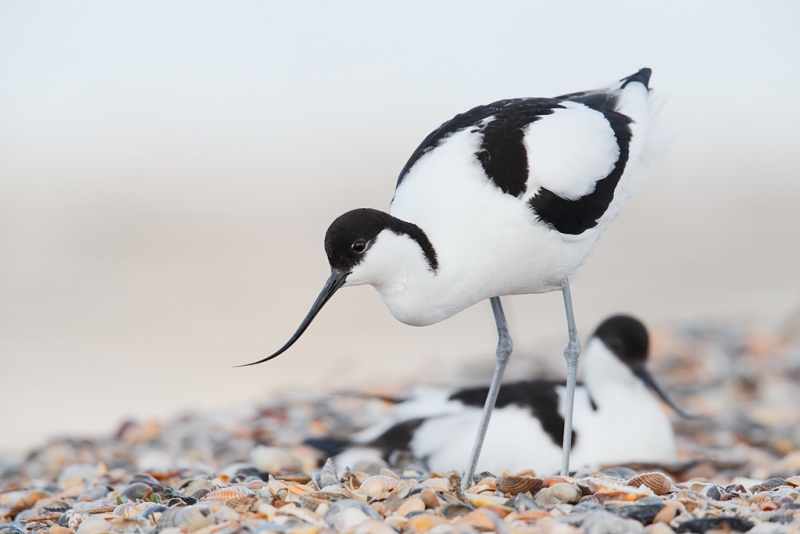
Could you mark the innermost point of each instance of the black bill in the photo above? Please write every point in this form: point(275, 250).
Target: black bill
point(335, 281)
point(642, 372)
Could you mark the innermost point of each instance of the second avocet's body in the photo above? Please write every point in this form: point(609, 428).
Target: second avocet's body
point(617, 419)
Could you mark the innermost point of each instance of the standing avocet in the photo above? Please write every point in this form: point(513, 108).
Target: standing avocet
point(505, 199)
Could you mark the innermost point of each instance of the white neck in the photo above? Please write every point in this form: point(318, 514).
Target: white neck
point(394, 265)
point(604, 372)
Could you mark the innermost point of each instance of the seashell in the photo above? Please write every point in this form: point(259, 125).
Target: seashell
point(548, 482)
point(424, 522)
point(522, 503)
point(295, 491)
point(532, 515)
point(196, 517)
point(136, 491)
point(344, 513)
point(488, 481)
point(189, 518)
point(768, 505)
point(126, 510)
point(152, 512)
point(758, 498)
point(668, 513)
point(515, 484)
point(71, 519)
point(793, 481)
point(94, 525)
point(454, 509)
point(659, 483)
point(414, 504)
point(55, 505)
point(256, 485)
point(713, 491)
point(378, 486)
point(242, 503)
point(373, 526)
point(278, 489)
point(55, 529)
point(481, 488)
point(381, 508)
point(350, 479)
point(430, 498)
point(479, 499)
point(772, 483)
point(225, 514)
point(226, 494)
point(311, 501)
point(559, 493)
point(478, 519)
point(328, 476)
point(404, 488)
point(439, 484)
point(193, 485)
point(384, 472)
point(397, 522)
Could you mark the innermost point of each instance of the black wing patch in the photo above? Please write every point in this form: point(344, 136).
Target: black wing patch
point(540, 396)
point(502, 153)
point(576, 216)
point(396, 438)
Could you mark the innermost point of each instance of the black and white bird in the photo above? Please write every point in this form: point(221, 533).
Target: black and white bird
point(617, 418)
point(505, 199)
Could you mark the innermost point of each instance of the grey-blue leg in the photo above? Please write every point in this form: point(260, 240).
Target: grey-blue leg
point(504, 347)
point(571, 354)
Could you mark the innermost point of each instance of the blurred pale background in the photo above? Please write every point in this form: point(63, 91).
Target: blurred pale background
point(168, 170)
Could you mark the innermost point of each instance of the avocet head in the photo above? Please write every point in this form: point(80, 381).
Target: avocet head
point(367, 246)
point(618, 352)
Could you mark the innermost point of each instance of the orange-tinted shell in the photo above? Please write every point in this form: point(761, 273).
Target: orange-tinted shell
point(659, 483)
point(226, 494)
point(514, 484)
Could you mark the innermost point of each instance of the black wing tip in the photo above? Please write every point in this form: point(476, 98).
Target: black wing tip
point(330, 446)
point(643, 77)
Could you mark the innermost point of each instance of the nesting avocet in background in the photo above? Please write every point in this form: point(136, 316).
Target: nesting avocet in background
point(617, 418)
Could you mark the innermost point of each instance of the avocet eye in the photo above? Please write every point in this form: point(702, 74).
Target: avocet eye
point(359, 246)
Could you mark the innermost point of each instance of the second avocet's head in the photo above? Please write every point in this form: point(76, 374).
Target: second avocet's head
point(617, 354)
point(367, 246)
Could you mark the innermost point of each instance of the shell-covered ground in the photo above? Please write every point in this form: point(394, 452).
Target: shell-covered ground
point(246, 469)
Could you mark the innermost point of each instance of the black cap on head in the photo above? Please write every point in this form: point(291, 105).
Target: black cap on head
point(626, 337)
point(350, 236)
